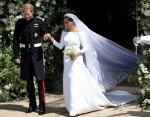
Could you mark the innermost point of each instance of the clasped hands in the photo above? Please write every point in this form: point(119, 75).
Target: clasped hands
point(47, 37)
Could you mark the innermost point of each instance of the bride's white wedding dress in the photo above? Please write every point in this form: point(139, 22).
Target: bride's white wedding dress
point(81, 91)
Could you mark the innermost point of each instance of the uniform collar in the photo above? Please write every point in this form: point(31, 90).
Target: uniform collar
point(30, 20)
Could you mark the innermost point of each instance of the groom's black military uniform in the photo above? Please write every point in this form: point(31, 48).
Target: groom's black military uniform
point(27, 39)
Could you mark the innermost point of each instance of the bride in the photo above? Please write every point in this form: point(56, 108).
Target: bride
point(92, 64)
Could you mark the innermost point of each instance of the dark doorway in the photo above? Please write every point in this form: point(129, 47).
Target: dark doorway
point(111, 19)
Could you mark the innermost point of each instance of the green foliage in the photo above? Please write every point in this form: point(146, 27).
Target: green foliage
point(52, 11)
point(11, 87)
point(144, 21)
point(144, 66)
point(144, 78)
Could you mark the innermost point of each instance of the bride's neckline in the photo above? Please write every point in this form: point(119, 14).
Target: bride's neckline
point(72, 31)
point(77, 30)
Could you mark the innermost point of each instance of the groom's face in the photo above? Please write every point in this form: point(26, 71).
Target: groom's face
point(28, 15)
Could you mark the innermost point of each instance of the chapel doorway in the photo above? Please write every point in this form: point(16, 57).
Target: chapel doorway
point(109, 18)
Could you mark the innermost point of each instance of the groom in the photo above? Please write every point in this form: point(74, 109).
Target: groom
point(27, 39)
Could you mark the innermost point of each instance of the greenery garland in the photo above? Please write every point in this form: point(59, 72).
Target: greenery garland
point(144, 64)
point(52, 11)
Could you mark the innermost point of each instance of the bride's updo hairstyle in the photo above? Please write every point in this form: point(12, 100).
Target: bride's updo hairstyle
point(68, 18)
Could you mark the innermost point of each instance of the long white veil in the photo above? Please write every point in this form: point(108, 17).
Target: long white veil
point(108, 62)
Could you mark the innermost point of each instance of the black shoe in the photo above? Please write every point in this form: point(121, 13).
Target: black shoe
point(41, 112)
point(30, 109)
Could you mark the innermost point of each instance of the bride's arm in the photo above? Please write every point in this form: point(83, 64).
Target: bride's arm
point(57, 44)
point(83, 39)
point(83, 42)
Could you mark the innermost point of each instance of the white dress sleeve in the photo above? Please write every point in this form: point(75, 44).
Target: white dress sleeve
point(83, 42)
point(60, 44)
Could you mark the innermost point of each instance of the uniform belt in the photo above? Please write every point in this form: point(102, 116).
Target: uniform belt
point(35, 45)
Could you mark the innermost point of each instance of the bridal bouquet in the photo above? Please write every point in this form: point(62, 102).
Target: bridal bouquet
point(69, 51)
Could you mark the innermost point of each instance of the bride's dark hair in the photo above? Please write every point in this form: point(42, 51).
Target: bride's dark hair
point(68, 18)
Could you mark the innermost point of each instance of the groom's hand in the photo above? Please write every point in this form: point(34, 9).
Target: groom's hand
point(45, 37)
point(17, 61)
point(48, 37)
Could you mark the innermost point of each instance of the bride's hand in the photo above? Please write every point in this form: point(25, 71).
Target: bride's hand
point(75, 55)
point(48, 35)
point(72, 57)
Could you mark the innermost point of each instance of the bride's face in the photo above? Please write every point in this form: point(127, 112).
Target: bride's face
point(68, 24)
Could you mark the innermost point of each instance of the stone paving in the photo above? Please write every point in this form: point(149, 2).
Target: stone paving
point(55, 108)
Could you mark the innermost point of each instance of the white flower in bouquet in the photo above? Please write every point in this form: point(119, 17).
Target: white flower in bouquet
point(69, 51)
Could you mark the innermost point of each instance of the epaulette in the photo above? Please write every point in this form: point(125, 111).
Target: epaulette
point(40, 18)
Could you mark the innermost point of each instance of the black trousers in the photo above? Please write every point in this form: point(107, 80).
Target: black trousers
point(31, 89)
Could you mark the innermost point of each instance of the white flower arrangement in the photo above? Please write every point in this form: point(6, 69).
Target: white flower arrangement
point(144, 67)
point(70, 50)
point(144, 16)
point(143, 73)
